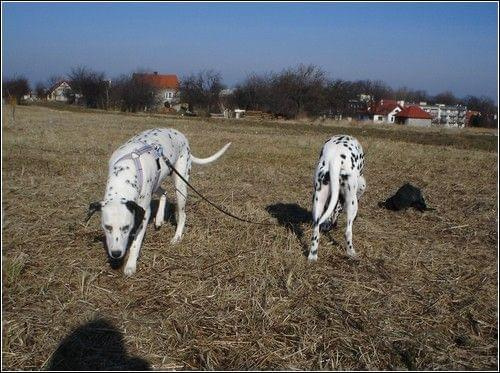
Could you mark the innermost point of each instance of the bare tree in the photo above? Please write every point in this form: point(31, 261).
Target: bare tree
point(447, 98)
point(131, 93)
point(253, 94)
point(488, 116)
point(41, 91)
point(91, 85)
point(202, 91)
point(15, 88)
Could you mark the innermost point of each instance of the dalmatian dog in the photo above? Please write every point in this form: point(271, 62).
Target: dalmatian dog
point(338, 184)
point(136, 171)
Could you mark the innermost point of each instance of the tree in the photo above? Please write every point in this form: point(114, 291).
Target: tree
point(91, 85)
point(41, 91)
point(202, 91)
point(486, 106)
point(15, 88)
point(299, 90)
point(446, 98)
point(253, 94)
point(131, 93)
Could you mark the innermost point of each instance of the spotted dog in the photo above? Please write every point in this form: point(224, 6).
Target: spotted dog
point(136, 171)
point(338, 184)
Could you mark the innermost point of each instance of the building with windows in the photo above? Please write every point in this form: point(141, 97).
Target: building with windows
point(446, 115)
point(385, 111)
point(167, 85)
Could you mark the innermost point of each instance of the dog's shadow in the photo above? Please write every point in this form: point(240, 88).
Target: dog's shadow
point(168, 214)
point(292, 217)
point(96, 345)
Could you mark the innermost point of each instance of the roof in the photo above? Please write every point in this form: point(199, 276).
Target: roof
point(413, 112)
point(160, 80)
point(384, 107)
point(57, 85)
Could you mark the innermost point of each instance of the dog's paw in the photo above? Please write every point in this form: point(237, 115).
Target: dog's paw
point(352, 254)
point(312, 257)
point(129, 270)
point(175, 240)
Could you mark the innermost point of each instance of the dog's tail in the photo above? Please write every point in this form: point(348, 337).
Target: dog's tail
point(334, 169)
point(212, 158)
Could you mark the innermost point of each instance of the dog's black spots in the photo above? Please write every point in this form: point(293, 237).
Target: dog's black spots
point(352, 202)
point(342, 156)
point(323, 163)
point(326, 178)
point(344, 177)
point(345, 144)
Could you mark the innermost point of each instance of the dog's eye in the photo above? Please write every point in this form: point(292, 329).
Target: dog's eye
point(125, 228)
point(109, 228)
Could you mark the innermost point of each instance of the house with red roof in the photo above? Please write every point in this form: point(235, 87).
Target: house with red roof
point(167, 84)
point(385, 111)
point(413, 115)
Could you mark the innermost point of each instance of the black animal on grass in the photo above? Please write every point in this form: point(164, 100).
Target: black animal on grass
point(406, 196)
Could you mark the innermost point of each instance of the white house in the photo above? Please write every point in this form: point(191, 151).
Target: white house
point(59, 91)
point(385, 111)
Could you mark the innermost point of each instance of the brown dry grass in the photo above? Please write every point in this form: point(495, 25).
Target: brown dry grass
point(233, 296)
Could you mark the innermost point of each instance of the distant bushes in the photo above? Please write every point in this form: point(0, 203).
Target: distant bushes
point(130, 93)
point(301, 91)
point(202, 91)
point(15, 88)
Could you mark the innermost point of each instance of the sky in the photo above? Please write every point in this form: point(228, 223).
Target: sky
point(430, 46)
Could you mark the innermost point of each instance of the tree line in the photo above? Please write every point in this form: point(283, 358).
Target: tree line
point(301, 91)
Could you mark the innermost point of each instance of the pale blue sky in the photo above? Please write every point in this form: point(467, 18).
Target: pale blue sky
point(430, 46)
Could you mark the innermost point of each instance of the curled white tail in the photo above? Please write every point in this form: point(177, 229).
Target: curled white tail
point(334, 169)
point(211, 158)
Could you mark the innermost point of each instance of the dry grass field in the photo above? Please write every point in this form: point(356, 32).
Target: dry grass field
point(423, 294)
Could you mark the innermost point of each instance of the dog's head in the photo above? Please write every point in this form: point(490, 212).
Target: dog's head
point(120, 220)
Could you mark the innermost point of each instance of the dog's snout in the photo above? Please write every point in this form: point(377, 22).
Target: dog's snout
point(116, 254)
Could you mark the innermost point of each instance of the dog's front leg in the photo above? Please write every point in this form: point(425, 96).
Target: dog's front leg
point(160, 214)
point(135, 247)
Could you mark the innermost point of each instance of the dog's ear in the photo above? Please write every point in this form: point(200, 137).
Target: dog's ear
point(93, 208)
point(138, 212)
